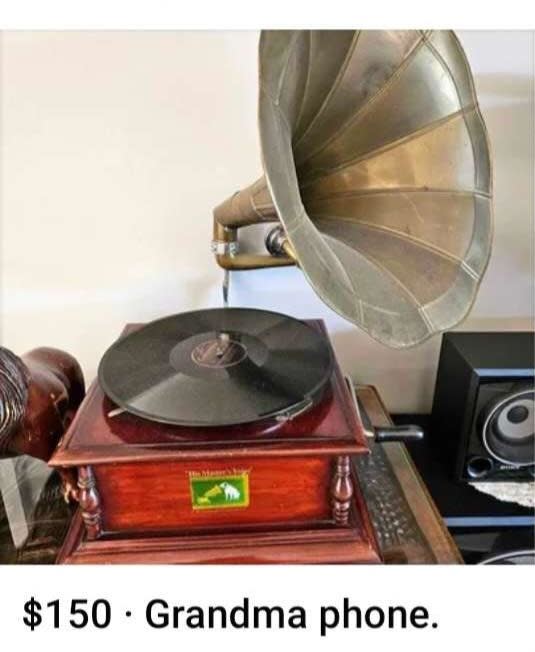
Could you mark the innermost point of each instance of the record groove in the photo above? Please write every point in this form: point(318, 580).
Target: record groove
point(224, 366)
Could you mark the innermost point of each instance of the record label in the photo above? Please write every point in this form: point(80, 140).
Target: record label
point(220, 352)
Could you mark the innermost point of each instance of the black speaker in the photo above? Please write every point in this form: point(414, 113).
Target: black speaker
point(484, 406)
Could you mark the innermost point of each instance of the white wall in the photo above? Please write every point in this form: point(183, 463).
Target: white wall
point(115, 148)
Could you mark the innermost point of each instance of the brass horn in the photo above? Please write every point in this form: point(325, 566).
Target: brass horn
point(377, 166)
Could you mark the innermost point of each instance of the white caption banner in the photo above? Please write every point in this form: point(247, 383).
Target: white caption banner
point(471, 606)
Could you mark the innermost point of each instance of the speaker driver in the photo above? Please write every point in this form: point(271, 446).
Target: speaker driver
point(508, 428)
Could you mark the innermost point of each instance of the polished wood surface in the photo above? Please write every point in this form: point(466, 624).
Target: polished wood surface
point(40, 394)
point(312, 546)
point(136, 500)
point(269, 543)
point(320, 542)
point(288, 490)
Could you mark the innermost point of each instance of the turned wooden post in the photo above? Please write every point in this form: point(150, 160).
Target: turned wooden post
point(342, 490)
point(89, 501)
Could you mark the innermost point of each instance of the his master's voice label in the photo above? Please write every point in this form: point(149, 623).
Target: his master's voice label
point(219, 491)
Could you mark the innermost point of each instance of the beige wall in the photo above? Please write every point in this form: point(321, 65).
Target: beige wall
point(115, 148)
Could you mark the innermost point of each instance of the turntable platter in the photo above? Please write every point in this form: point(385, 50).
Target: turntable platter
point(217, 367)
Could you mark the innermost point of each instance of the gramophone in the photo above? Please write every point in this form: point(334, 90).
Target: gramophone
point(227, 434)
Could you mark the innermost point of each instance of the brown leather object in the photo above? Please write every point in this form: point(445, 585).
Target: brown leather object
point(39, 395)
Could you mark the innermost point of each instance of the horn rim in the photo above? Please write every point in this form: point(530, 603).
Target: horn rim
point(288, 202)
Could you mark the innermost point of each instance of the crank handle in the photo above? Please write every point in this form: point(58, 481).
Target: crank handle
point(407, 434)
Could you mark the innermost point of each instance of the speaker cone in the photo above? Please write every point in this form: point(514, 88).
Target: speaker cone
point(508, 428)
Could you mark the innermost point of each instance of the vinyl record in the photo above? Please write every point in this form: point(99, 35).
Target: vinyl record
point(217, 367)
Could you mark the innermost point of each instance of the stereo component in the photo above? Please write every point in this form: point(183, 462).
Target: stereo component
point(484, 406)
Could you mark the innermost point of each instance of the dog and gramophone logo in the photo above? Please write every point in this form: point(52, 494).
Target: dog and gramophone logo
point(219, 489)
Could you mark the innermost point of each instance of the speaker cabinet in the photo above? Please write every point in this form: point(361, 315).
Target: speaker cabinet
point(484, 408)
